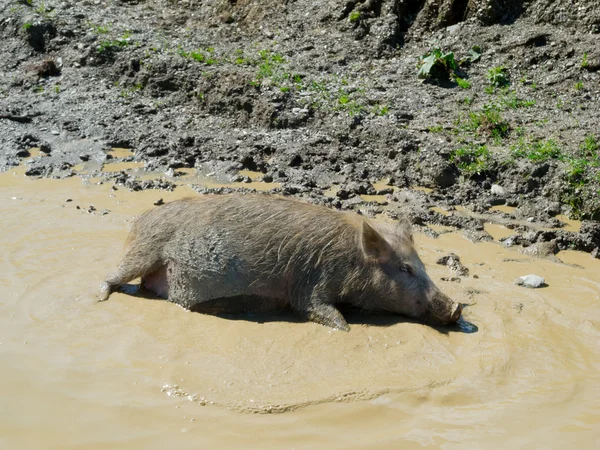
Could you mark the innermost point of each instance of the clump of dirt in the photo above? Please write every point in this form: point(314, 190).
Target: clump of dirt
point(318, 95)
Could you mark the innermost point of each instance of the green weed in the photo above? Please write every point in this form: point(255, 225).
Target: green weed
point(463, 84)
point(488, 121)
point(498, 76)
point(472, 159)
point(538, 151)
point(354, 16)
point(437, 65)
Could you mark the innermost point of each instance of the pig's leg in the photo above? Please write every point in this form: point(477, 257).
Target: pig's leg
point(319, 309)
point(327, 315)
point(135, 264)
point(184, 289)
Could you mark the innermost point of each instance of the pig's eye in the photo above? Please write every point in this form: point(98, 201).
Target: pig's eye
point(407, 269)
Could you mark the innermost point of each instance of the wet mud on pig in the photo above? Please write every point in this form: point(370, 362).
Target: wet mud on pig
point(309, 257)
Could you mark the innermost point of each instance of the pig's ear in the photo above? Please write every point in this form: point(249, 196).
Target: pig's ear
point(405, 229)
point(373, 245)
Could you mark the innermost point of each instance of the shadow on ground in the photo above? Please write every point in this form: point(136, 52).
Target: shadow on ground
point(263, 310)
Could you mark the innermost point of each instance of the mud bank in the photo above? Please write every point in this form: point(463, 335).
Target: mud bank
point(320, 98)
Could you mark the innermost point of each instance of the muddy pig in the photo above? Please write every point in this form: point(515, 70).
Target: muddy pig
point(288, 252)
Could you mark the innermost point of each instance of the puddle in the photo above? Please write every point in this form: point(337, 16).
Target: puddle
point(422, 188)
point(441, 228)
point(117, 152)
point(504, 209)
point(331, 192)
point(439, 210)
point(119, 166)
point(155, 375)
point(383, 184)
point(375, 198)
point(497, 231)
point(570, 225)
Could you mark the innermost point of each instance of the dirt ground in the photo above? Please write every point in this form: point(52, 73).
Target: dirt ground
point(323, 99)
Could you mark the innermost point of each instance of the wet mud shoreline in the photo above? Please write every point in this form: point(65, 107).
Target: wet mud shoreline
point(322, 101)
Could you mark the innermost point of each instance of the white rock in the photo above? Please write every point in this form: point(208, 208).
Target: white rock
point(497, 189)
point(530, 281)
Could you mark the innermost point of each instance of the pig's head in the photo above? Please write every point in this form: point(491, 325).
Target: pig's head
point(397, 279)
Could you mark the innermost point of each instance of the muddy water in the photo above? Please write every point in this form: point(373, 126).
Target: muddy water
point(522, 371)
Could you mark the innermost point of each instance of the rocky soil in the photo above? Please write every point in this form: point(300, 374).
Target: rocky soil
point(324, 99)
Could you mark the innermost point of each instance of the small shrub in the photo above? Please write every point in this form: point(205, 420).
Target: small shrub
point(437, 65)
point(498, 76)
point(462, 83)
point(354, 16)
point(538, 151)
point(489, 120)
point(472, 159)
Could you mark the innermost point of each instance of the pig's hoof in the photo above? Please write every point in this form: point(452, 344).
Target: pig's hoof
point(330, 317)
point(105, 291)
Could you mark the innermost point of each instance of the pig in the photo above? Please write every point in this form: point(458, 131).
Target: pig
point(287, 252)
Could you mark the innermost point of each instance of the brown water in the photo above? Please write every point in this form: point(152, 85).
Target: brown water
point(133, 373)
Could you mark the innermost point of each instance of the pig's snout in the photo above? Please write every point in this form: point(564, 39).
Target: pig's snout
point(443, 311)
point(456, 312)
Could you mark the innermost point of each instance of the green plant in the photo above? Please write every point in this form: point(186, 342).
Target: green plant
point(270, 66)
point(354, 16)
point(582, 177)
point(488, 120)
point(380, 110)
point(437, 65)
point(462, 83)
point(474, 54)
point(584, 61)
point(57, 89)
point(512, 101)
point(537, 151)
point(579, 85)
point(112, 44)
point(498, 76)
point(43, 10)
point(472, 159)
point(435, 128)
point(590, 148)
point(27, 25)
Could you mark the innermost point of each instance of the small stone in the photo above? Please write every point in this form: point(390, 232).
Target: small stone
point(68, 200)
point(530, 281)
point(55, 132)
point(159, 202)
point(45, 147)
point(453, 262)
point(497, 189)
point(452, 279)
